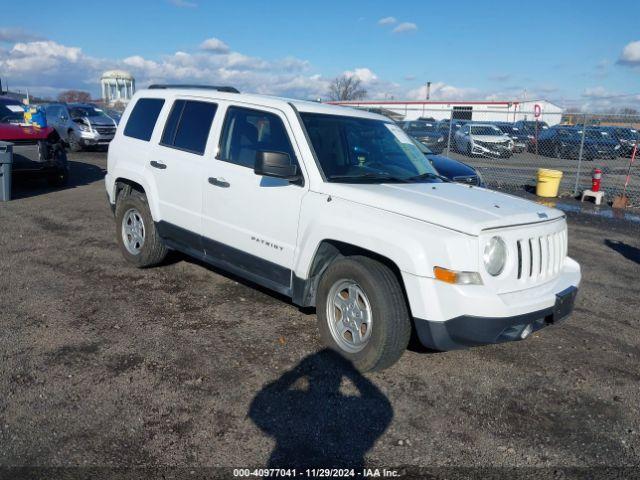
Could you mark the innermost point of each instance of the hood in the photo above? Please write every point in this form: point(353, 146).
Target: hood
point(9, 132)
point(490, 138)
point(102, 121)
point(457, 207)
point(450, 168)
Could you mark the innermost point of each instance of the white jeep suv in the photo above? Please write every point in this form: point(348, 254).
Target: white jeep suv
point(339, 210)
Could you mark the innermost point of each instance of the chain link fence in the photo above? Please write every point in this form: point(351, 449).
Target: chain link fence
point(508, 152)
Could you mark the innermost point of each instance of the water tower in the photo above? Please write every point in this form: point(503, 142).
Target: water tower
point(117, 86)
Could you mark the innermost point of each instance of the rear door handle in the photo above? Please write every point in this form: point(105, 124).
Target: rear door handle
point(219, 182)
point(159, 165)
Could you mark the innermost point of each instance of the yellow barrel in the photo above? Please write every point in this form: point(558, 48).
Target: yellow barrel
point(548, 182)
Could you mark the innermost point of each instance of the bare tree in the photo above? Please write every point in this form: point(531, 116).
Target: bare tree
point(74, 96)
point(346, 88)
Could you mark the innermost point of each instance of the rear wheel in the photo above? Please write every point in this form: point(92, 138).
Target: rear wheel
point(136, 232)
point(362, 313)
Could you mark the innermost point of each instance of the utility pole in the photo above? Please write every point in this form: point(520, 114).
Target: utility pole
point(428, 90)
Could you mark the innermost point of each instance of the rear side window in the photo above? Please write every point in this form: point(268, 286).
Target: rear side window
point(247, 131)
point(188, 125)
point(143, 118)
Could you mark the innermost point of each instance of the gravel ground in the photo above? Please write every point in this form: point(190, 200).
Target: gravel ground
point(182, 365)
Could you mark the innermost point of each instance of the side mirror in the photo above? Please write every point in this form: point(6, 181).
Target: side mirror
point(276, 164)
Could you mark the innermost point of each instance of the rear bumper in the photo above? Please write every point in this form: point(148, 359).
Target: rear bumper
point(468, 331)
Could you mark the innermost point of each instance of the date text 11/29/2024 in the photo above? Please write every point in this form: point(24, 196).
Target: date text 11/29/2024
point(316, 473)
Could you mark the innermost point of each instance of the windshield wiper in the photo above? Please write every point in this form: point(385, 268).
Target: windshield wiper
point(366, 176)
point(426, 175)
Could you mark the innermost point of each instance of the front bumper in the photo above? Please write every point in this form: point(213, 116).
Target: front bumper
point(468, 331)
point(95, 138)
point(442, 311)
point(493, 151)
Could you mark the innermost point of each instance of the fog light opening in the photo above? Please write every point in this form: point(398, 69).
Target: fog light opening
point(526, 332)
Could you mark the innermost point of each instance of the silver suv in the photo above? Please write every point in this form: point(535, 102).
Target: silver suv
point(81, 124)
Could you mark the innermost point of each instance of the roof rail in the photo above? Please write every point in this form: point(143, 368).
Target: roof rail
point(202, 87)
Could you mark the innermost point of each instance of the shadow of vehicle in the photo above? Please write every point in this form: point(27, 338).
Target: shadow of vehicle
point(317, 419)
point(627, 251)
point(29, 185)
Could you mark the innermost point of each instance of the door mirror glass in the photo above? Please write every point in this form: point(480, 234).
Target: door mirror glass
point(276, 164)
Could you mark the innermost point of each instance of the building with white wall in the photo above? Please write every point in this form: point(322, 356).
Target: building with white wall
point(480, 111)
point(117, 86)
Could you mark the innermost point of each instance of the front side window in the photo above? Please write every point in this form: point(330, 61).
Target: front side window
point(188, 125)
point(247, 131)
point(352, 149)
point(143, 118)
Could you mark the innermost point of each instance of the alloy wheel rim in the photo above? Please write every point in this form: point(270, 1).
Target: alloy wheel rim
point(349, 316)
point(133, 231)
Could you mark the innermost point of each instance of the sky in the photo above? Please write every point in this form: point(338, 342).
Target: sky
point(577, 54)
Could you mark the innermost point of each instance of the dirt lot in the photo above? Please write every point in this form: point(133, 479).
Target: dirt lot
point(103, 364)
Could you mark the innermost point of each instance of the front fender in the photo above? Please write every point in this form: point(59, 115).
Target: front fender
point(414, 246)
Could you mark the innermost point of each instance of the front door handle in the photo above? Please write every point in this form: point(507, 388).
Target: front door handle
point(219, 182)
point(159, 165)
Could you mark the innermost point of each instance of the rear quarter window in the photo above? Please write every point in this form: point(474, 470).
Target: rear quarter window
point(143, 118)
point(188, 125)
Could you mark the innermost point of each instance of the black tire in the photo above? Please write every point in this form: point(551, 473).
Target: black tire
point(557, 152)
point(391, 326)
point(74, 142)
point(153, 251)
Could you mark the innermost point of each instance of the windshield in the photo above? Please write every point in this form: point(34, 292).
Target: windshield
point(87, 111)
point(484, 130)
point(351, 149)
point(596, 134)
point(509, 129)
point(11, 112)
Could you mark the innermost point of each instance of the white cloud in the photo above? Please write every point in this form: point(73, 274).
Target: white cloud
point(405, 27)
point(442, 91)
point(47, 67)
point(631, 54)
point(387, 21)
point(214, 45)
point(183, 3)
point(364, 74)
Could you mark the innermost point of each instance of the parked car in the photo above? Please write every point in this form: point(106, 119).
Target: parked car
point(444, 128)
point(627, 138)
point(565, 142)
point(426, 133)
point(483, 139)
point(454, 170)
point(81, 125)
point(36, 151)
point(531, 127)
point(520, 139)
point(337, 209)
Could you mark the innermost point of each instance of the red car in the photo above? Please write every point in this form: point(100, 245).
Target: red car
point(36, 151)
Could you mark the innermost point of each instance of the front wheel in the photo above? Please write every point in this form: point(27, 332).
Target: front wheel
point(74, 142)
point(136, 232)
point(362, 313)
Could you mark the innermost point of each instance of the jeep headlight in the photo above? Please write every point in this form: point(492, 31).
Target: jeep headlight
point(495, 256)
point(84, 127)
